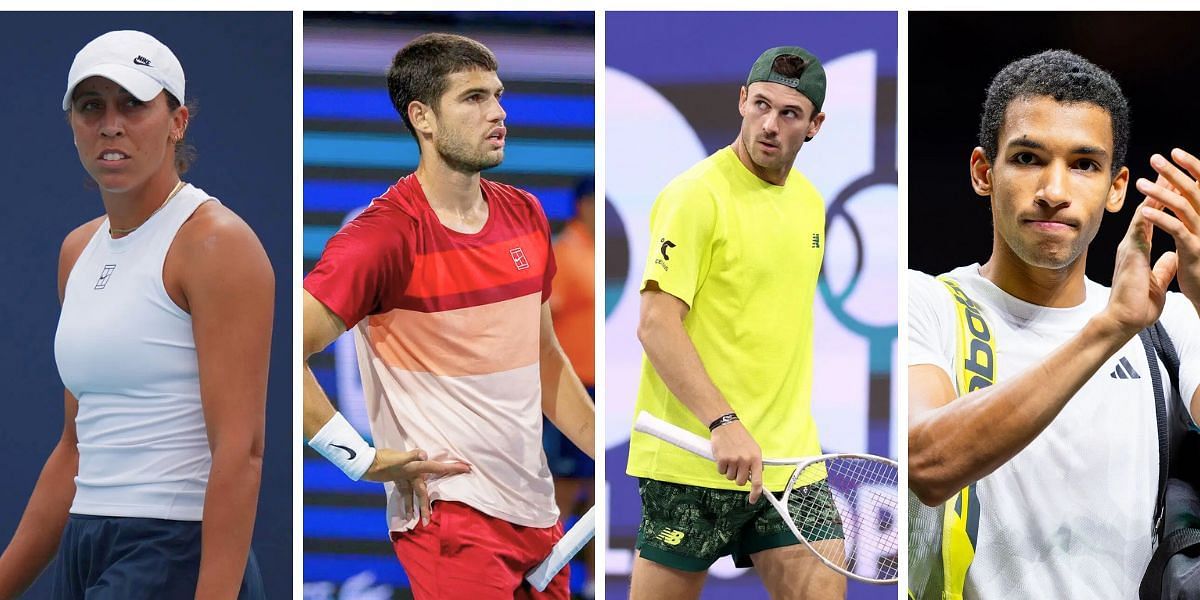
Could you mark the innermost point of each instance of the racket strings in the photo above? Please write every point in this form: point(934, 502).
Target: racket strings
point(849, 514)
point(925, 577)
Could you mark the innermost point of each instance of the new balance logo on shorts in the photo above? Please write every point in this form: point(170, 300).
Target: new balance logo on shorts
point(670, 537)
point(1124, 370)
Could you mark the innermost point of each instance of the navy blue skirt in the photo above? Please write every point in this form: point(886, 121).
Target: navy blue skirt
point(111, 558)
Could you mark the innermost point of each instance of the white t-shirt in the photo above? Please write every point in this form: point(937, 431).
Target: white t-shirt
point(1070, 516)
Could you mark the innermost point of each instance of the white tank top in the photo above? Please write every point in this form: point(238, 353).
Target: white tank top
point(126, 352)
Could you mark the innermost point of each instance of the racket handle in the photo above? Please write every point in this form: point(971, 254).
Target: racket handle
point(650, 424)
point(571, 543)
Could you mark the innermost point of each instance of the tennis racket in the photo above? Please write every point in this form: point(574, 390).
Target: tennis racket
point(571, 543)
point(862, 542)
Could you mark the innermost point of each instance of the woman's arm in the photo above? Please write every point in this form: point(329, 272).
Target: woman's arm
point(228, 287)
point(41, 526)
point(37, 536)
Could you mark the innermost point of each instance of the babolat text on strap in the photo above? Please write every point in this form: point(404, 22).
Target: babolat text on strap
point(974, 368)
point(338, 442)
point(942, 545)
point(975, 361)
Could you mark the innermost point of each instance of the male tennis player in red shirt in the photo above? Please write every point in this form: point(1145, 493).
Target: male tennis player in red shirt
point(444, 279)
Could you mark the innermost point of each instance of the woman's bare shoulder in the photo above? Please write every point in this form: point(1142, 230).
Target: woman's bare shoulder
point(215, 244)
point(72, 247)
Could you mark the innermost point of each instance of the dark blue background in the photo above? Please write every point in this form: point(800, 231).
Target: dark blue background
point(239, 69)
point(684, 47)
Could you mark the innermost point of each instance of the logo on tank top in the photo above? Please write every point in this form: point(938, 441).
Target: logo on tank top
point(105, 275)
point(518, 256)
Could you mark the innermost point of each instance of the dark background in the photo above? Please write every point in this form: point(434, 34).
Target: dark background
point(952, 58)
point(239, 70)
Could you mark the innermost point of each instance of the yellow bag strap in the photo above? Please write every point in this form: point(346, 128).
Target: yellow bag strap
point(976, 354)
point(975, 368)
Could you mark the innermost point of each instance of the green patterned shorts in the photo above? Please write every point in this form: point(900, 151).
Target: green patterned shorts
point(688, 527)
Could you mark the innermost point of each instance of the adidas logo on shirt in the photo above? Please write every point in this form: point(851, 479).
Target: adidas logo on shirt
point(1124, 370)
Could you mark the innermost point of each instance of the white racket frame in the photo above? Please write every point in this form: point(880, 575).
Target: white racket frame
point(652, 425)
point(567, 547)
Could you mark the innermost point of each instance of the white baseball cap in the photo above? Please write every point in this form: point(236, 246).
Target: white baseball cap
point(132, 59)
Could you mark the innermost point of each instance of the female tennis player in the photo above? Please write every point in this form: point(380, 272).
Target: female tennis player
point(162, 345)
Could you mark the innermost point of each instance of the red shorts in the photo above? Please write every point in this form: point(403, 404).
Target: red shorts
point(463, 553)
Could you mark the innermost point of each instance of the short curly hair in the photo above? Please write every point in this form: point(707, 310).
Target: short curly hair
point(1064, 76)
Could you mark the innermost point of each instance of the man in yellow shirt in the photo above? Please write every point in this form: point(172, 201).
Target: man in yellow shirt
point(726, 323)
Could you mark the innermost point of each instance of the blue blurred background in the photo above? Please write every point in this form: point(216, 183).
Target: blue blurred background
point(671, 89)
point(355, 146)
point(238, 68)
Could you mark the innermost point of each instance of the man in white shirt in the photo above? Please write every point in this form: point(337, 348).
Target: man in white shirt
point(1062, 450)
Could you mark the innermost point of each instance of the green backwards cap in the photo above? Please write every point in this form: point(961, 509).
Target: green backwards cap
point(811, 81)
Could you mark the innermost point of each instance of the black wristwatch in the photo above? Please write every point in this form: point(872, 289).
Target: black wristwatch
point(723, 420)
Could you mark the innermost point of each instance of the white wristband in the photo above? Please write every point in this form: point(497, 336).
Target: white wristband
point(343, 446)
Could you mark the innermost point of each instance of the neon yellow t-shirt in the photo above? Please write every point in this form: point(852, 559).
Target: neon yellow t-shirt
point(744, 255)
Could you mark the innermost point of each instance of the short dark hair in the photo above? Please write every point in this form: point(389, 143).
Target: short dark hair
point(1064, 76)
point(419, 70)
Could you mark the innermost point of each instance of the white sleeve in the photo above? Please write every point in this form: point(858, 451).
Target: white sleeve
point(931, 324)
point(1183, 325)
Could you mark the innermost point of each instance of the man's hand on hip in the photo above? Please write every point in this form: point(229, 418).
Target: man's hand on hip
point(409, 470)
